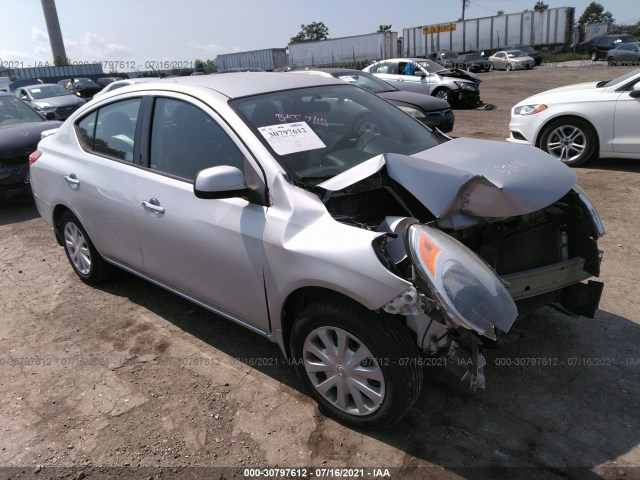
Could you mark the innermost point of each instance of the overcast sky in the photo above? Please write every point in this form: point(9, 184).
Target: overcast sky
point(137, 31)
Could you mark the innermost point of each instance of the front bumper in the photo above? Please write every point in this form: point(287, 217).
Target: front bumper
point(467, 98)
point(14, 180)
point(442, 120)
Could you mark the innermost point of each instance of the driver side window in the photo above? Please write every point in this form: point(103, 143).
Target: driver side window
point(185, 140)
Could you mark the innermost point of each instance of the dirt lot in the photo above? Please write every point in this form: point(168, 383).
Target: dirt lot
point(129, 381)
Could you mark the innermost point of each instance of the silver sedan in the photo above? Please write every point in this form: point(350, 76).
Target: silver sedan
point(511, 60)
point(364, 255)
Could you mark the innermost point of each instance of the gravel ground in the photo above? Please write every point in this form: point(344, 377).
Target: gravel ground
point(129, 381)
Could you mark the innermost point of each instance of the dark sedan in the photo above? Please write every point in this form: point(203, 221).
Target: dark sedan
point(473, 62)
point(50, 100)
point(20, 129)
point(433, 112)
point(82, 87)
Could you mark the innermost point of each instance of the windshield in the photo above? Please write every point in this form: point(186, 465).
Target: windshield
point(430, 66)
point(516, 54)
point(85, 82)
point(526, 49)
point(319, 132)
point(13, 111)
point(448, 55)
point(620, 79)
point(47, 91)
point(473, 56)
point(365, 80)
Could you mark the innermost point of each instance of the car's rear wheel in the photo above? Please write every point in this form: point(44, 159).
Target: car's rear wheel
point(594, 56)
point(361, 367)
point(571, 140)
point(82, 254)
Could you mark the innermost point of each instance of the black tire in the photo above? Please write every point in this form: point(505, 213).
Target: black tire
point(508, 67)
point(81, 253)
point(594, 56)
point(491, 67)
point(443, 93)
point(571, 140)
point(381, 340)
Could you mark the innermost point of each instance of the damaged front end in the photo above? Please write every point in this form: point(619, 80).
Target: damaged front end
point(481, 241)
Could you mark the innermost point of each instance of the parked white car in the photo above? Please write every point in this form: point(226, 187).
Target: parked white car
point(456, 86)
point(579, 122)
point(123, 83)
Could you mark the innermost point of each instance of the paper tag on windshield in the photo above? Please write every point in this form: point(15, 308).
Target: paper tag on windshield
point(286, 138)
point(347, 78)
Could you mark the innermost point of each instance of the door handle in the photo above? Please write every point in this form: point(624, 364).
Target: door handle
point(72, 180)
point(153, 206)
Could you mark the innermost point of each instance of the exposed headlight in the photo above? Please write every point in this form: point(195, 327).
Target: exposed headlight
point(43, 107)
point(414, 112)
point(466, 85)
point(529, 109)
point(470, 292)
point(595, 218)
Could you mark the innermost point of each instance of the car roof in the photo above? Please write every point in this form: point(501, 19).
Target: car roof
point(241, 84)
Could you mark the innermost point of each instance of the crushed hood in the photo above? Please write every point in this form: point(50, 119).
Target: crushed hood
point(480, 178)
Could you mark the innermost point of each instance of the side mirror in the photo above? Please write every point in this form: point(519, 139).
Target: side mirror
point(419, 73)
point(223, 181)
point(635, 93)
point(49, 116)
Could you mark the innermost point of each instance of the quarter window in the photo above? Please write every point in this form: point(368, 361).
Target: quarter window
point(185, 140)
point(111, 130)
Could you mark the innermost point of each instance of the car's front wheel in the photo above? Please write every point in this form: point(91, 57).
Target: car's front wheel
point(443, 93)
point(82, 254)
point(361, 367)
point(509, 67)
point(571, 140)
point(594, 56)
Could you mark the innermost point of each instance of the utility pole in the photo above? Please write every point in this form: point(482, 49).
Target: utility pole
point(465, 4)
point(55, 35)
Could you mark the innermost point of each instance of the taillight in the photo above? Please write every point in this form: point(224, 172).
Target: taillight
point(33, 158)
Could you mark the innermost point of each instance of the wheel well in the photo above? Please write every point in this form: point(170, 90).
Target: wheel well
point(570, 117)
point(297, 301)
point(58, 211)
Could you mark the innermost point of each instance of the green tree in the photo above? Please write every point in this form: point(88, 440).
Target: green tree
point(500, 12)
point(206, 66)
point(311, 33)
point(384, 28)
point(58, 61)
point(540, 6)
point(594, 13)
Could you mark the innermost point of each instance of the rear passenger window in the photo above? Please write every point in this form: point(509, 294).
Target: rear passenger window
point(111, 130)
point(185, 140)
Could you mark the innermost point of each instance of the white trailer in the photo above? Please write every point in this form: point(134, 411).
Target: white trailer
point(549, 27)
point(345, 50)
point(267, 59)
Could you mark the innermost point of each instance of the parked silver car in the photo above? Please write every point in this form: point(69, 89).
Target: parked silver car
point(456, 86)
point(624, 54)
point(511, 60)
point(362, 255)
point(49, 100)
